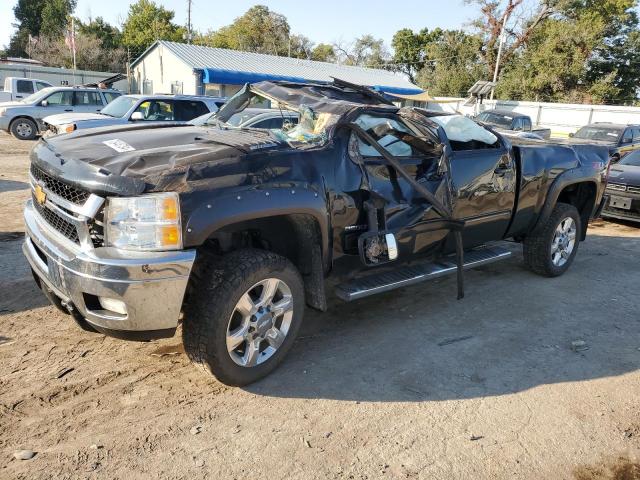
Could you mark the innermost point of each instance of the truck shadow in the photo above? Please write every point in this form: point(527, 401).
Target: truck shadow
point(18, 290)
point(12, 185)
point(512, 332)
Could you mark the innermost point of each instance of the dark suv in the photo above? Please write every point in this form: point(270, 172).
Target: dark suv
point(621, 139)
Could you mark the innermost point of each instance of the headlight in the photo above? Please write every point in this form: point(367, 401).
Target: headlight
point(148, 222)
point(67, 128)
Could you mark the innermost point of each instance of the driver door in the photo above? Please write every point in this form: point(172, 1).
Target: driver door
point(401, 210)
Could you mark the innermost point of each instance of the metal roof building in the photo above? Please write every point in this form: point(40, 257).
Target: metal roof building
point(170, 67)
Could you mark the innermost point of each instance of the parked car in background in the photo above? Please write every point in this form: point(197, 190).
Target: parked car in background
point(24, 119)
point(17, 88)
point(135, 108)
point(505, 120)
point(624, 189)
point(621, 139)
point(268, 118)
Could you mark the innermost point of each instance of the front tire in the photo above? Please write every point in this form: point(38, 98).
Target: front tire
point(550, 250)
point(24, 129)
point(243, 314)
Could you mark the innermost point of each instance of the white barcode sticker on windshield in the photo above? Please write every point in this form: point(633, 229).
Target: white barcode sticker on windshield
point(119, 146)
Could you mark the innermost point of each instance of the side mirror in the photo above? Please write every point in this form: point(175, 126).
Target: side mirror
point(44, 103)
point(135, 116)
point(626, 141)
point(571, 135)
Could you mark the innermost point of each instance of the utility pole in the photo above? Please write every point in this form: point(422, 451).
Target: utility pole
point(189, 21)
point(502, 39)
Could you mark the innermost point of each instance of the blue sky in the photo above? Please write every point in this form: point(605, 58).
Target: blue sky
point(321, 21)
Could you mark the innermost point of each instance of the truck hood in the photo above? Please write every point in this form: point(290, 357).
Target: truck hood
point(63, 118)
point(627, 174)
point(131, 159)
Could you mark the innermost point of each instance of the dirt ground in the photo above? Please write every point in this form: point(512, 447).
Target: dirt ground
point(409, 384)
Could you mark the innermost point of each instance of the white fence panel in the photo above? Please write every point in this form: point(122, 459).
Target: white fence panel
point(561, 118)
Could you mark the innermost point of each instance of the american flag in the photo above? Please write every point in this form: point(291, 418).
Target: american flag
point(70, 38)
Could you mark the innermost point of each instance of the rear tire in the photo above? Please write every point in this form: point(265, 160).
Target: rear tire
point(24, 129)
point(223, 309)
point(551, 248)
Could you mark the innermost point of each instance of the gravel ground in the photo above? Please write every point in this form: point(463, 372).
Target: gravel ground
point(409, 384)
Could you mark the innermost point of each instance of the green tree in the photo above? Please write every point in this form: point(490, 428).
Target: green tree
point(587, 52)
point(524, 19)
point(110, 37)
point(408, 52)
point(412, 50)
point(147, 22)
point(36, 17)
point(28, 14)
point(452, 62)
point(259, 30)
point(365, 51)
point(323, 52)
point(300, 47)
point(55, 17)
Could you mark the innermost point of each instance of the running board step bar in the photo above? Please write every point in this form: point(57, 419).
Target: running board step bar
point(410, 275)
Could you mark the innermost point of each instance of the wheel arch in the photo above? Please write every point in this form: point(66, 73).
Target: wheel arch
point(294, 225)
point(26, 117)
point(581, 192)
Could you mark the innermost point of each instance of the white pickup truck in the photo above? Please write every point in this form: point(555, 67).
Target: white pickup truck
point(16, 88)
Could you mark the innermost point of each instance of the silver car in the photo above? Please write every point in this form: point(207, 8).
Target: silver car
point(267, 118)
point(23, 119)
point(136, 108)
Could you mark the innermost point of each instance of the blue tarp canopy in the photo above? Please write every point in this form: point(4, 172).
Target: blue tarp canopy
point(234, 77)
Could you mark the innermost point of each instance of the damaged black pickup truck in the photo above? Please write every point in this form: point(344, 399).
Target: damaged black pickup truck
point(232, 231)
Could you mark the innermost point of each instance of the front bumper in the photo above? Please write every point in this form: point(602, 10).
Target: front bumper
point(633, 214)
point(151, 284)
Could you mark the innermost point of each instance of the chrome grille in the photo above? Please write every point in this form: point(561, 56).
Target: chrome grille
point(631, 189)
point(618, 187)
point(57, 222)
point(63, 190)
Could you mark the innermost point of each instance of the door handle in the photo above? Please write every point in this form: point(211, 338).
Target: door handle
point(68, 110)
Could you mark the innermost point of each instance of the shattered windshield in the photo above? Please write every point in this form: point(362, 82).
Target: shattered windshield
point(311, 128)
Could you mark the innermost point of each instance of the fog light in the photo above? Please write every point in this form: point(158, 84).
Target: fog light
point(113, 305)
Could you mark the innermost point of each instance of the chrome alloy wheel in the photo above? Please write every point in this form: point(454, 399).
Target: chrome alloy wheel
point(24, 130)
point(564, 241)
point(260, 322)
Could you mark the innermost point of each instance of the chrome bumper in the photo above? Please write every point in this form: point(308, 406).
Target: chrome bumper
point(151, 284)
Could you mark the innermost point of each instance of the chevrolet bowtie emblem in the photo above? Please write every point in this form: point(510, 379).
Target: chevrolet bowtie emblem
point(40, 195)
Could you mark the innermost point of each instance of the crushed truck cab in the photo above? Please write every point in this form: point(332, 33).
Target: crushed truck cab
point(236, 230)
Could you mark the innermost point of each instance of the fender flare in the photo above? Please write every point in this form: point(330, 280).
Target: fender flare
point(562, 181)
point(242, 205)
